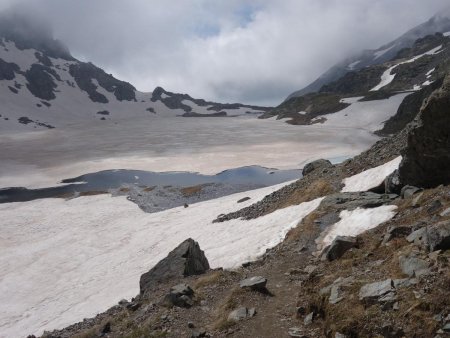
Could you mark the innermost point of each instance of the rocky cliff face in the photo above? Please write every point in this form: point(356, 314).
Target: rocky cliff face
point(427, 158)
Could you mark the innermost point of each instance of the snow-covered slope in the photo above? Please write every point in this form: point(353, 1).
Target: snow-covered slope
point(88, 253)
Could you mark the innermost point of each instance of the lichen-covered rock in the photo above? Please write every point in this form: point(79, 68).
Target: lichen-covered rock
point(187, 259)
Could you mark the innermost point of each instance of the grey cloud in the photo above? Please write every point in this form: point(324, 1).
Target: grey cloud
point(226, 50)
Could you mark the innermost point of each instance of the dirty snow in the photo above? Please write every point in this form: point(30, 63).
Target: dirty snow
point(367, 115)
point(62, 261)
point(355, 222)
point(370, 178)
point(387, 77)
point(447, 34)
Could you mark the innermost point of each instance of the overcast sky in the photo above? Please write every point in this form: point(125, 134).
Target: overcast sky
point(252, 51)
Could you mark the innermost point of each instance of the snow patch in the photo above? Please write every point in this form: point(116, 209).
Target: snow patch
point(446, 34)
point(370, 178)
point(367, 115)
point(356, 222)
point(387, 77)
point(428, 74)
point(62, 261)
point(427, 83)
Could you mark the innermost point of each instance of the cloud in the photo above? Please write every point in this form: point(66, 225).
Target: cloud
point(255, 51)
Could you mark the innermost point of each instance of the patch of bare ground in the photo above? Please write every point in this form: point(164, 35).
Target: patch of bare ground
point(191, 191)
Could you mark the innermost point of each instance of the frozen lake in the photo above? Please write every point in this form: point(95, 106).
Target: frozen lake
point(205, 145)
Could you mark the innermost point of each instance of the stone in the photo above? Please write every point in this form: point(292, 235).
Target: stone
point(396, 232)
point(434, 207)
point(413, 266)
point(257, 283)
point(243, 199)
point(190, 325)
point(393, 183)
point(313, 166)
point(185, 260)
point(446, 328)
point(339, 335)
point(405, 282)
point(180, 295)
point(297, 332)
point(198, 333)
point(309, 269)
point(371, 293)
point(408, 191)
point(417, 200)
point(241, 313)
point(426, 158)
point(419, 237)
point(335, 295)
point(339, 246)
point(439, 236)
point(308, 319)
point(445, 213)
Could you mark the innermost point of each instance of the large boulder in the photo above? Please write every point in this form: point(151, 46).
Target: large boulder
point(426, 159)
point(187, 259)
point(313, 166)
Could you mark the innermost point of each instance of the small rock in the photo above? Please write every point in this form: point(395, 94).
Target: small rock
point(198, 334)
point(133, 306)
point(257, 283)
point(243, 199)
point(335, 295)
point(339, 246)
point(371, 293)
point(123, 302)
point(409, 190)
point(308, 319)
point(240, 314)
point(445, 213)
point(446, 327)
point(417, 200)
point(186, 205)
point(439, 236)
point(310, 269)
point(191, 325)
point(296, 332)
point(397, 232)
point(180, 295)
point(413, 266)
point(339, 335)
point(435, 206)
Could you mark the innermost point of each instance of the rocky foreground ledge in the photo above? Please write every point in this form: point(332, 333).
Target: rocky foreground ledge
point(391, 281)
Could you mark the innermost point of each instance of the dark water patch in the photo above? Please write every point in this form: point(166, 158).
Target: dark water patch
point(107, 180)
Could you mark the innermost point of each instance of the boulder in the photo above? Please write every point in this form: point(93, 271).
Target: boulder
point(373, 292)
point(426, 159)
point(439, 236)
point(185, 260)
point(339, 246)
point(313, 166)
point(398, 231)
point(257, 283)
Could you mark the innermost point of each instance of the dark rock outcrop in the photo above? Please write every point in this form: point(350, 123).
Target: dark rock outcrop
point(41, 81)
point(84, 73)
point(187, 259)
point(427, 157)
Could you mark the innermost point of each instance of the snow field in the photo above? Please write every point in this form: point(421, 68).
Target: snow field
point(62, 261)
